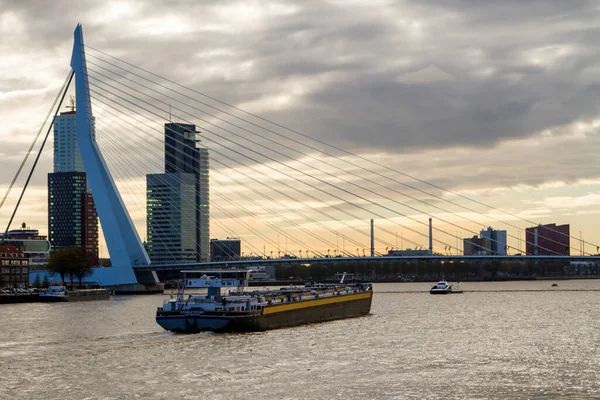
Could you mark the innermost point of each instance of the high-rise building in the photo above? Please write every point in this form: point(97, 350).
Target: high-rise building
point(225, 249)
point(72, 217)
point(548, 240)
point(171, 218)
point(67, 157)
point(203, 203)
point(497, 240)
point(185, 161)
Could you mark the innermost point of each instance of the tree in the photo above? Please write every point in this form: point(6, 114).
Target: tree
point(69, 262)
point(37, 282)
point(82, 270)
point(46, 281)
point(57, 263)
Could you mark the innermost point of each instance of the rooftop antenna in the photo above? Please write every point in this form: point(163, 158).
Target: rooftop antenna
point(72, 101)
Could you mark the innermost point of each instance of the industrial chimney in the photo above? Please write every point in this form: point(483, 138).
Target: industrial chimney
point(372, 239)
point(430, 238)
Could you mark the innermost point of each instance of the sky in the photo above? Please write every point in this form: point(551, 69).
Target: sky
point(496, 101)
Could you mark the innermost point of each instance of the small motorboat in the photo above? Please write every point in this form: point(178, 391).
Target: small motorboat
point(441, 287)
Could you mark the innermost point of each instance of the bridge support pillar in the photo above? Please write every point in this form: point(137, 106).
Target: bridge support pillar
point(123, 243)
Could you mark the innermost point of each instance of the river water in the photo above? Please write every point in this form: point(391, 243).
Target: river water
point(501, 340)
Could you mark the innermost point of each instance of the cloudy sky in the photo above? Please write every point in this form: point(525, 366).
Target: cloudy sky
point(496, 101)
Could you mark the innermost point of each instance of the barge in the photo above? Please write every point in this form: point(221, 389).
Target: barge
point(227, 307)
point(60, 294)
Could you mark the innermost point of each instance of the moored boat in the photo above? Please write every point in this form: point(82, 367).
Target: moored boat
point(60, 294)
point(227, 307)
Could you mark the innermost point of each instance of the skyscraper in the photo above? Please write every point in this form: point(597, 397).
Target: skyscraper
point(72, 217)
point(171, 218)
point(169, 200)
point(66, 152)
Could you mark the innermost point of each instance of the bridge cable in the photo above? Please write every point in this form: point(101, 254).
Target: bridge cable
point(154, 114)
point(271, 211)
point(63, 89)
point(309, 156)
point(334, 147)
point(297, 151)
point(258, 234)
point(271, 199)
point(274, 160)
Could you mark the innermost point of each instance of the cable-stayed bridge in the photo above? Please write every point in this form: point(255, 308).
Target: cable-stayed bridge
point(275, 187)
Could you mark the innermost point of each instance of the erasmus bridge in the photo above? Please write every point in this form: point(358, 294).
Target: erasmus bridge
point(273, 183)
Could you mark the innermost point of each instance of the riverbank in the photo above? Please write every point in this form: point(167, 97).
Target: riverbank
point(76, 295)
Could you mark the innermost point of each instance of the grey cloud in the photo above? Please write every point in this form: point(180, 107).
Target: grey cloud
point(486, 88)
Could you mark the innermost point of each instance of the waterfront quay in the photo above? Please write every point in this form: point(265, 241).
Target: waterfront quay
point(11, 298)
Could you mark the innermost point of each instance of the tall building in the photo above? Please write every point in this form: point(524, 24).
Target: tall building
point(67, 157)
point(72, 217)
point(497, 240)
point(171, 218)
point(225, 249)
point(169, 195)
point(548, 240)
point(203, 204)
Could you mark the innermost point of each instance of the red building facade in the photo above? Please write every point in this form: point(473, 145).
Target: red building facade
point(14, 267)
point(90, 226)
point(548, 240)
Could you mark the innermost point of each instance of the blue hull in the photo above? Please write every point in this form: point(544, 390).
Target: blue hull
point(193, 324)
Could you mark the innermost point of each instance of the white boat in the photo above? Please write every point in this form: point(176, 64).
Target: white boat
point(441, 287)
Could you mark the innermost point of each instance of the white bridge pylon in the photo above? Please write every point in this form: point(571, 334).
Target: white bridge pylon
point(123, 242)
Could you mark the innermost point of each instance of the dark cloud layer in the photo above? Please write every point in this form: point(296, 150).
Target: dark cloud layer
point(401, 78)
point(490, 71)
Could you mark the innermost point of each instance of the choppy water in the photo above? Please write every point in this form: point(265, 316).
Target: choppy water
point(491, 342)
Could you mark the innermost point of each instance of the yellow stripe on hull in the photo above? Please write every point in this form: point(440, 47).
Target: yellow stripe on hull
point(277, 308)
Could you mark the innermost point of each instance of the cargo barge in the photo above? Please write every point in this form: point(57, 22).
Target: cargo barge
point(227, 307)
point(61, 294)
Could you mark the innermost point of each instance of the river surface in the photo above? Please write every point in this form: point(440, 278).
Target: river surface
point(501, 340)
